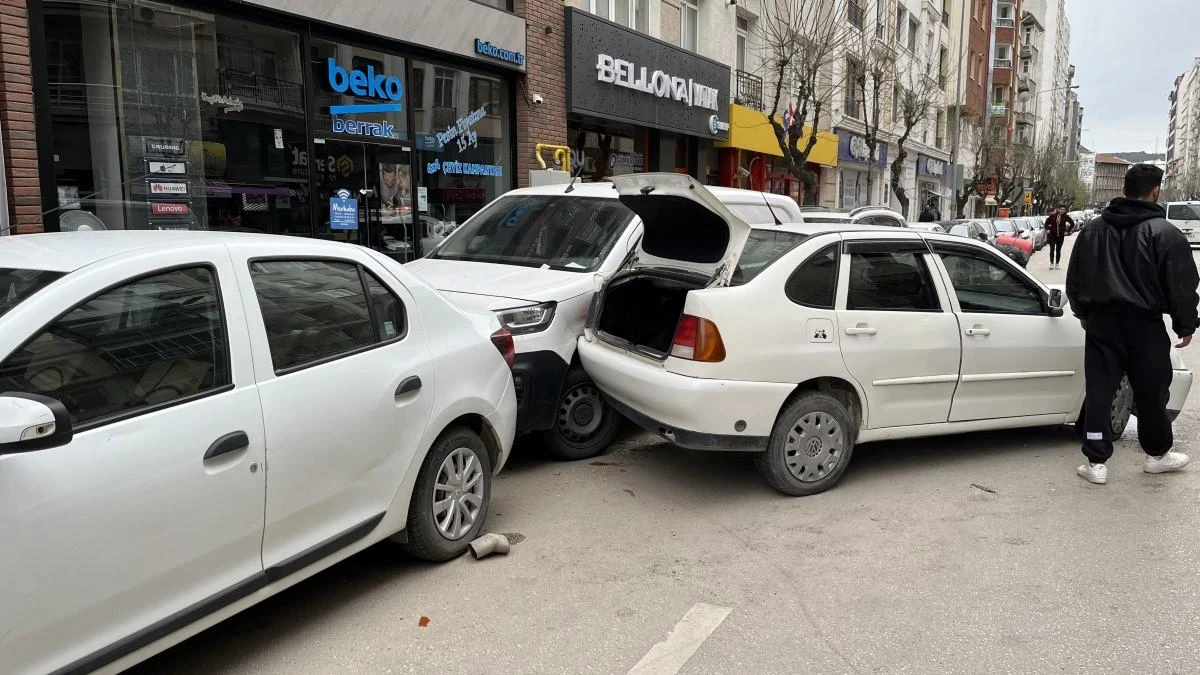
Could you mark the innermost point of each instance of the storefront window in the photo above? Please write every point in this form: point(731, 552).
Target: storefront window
point(600, 155)
point(171, 118)
point(464, 156)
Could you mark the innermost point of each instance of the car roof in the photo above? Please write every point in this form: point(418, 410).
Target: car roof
point(605, 190)
point(69, 251)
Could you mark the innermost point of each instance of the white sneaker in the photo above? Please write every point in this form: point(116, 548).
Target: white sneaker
point(1172, 461)
point(1094, 473)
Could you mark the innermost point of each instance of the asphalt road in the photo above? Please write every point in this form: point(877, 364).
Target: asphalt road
point(977, 553)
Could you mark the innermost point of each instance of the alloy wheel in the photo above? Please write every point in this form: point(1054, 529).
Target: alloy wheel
point(458, 493)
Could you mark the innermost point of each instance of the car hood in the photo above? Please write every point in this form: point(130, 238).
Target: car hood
point(494, 286)
point(684, 226)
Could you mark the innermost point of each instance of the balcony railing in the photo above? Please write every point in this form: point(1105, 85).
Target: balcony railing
point(747, 89)
point(1006, 23)
point(1002, 63)
point(262, 91)
point(1025, 83)
point(998, 109)
point(1025, 118)
point(1028, 51)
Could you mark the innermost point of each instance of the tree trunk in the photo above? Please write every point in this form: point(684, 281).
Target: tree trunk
point(897, 175)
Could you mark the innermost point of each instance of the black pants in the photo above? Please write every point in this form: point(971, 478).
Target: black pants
point(1135, 344)
point(1055, 244)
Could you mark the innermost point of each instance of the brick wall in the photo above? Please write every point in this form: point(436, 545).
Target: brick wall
point(16, 119)
point(545, 64)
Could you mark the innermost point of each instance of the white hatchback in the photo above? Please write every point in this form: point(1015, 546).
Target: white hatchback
point(799, 341)
point(193, 422)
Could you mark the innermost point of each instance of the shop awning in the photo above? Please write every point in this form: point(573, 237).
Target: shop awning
point(750, 130)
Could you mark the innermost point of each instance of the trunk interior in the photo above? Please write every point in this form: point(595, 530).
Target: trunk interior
point(643, 311)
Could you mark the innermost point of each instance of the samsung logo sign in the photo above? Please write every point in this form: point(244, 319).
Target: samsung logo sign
point(488, 49)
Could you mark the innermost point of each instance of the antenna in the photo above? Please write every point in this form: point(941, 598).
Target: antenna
point(768, 203)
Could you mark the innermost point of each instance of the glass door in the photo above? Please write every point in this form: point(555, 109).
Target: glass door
point(364, 196)
point(394, 221)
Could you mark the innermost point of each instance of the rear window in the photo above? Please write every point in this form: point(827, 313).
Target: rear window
point(763, 247)
point(553, 231)
point(809, 218)
point(17, 285)
point(1183, 212)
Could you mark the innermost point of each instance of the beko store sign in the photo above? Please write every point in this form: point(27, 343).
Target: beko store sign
point(627, 74)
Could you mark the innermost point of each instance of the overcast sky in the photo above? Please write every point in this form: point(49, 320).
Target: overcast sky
point(1127, 54)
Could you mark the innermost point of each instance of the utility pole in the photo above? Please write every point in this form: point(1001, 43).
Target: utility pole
point(958, 102)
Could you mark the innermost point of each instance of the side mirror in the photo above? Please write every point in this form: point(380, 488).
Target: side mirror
point(1055, 302)
point(30, 422)
point(983, 236)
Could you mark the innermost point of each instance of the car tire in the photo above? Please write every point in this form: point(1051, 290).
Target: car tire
point(1118, 421)
point(812, 429)
point(584, 423)
point(458, 459)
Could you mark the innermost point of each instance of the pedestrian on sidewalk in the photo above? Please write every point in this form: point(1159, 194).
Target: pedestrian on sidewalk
point(1129, 267)
point(1057, 227)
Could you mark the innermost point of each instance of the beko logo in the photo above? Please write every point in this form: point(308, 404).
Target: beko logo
point(367, 84)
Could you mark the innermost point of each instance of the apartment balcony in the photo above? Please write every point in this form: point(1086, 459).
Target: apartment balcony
point(1025, 118)
point(1026, 83)
point(747, 89)
point(1028, 51)
point(1002, 64)
point(1006, 23)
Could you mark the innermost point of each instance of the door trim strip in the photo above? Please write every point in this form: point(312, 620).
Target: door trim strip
point(922, 379)
point(1003, 377)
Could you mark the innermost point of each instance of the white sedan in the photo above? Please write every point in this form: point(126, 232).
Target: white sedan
point(798, 341)
point(193, 422)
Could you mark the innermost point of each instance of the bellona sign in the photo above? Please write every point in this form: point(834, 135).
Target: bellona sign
point(626, 74)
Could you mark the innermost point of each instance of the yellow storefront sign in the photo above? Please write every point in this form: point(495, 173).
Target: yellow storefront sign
point(750, 130)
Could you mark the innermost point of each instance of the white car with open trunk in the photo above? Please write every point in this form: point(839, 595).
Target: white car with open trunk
point(799, 341)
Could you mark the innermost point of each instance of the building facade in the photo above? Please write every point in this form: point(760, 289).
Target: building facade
point(1109, 179)
point(1183, 135)
point(278, 116)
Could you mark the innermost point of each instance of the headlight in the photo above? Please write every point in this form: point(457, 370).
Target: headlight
point(531, 319)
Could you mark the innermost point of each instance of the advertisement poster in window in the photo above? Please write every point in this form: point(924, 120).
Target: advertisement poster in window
point(395, 181)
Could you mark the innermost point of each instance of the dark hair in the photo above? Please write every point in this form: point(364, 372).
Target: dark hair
point(1141, 179)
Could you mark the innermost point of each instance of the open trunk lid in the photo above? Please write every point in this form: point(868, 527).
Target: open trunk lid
point(685, 227)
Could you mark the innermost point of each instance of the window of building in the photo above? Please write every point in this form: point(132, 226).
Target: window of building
point(689, 25)
point(897, 102)
point(999, 95)
point(315, 310)
point(914, 26)
point(854, 81)
point(1004, 11)
point(445, 85)
point(854, 13)
point(814, 283)
point(881, 20)
point(486, 93)
point(901, 22)
point(943, 60)
point(890, 281)
point(149, 343)
point(631, 13)
point(1003, 52)
point(743, 38)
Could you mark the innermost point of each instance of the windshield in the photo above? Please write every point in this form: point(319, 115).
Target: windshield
point(1004, 226)
point(1183, 212)
point(763, 247)
point(962, 229)
point(554, 231)
point(16, 285)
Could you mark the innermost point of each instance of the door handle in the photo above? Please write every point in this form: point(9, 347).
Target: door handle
point(410, 385)
point(226, 444)
point(978, 330)
point(860, 329)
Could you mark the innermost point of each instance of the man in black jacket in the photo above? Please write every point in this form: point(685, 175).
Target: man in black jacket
point(1129, 267)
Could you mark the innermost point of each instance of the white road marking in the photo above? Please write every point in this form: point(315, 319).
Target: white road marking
point(668, 656)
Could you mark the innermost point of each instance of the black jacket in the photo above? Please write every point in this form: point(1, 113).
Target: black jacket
point(1132, 258)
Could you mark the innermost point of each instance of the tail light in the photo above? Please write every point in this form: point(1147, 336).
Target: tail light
point(697, 339)
point(504, 342)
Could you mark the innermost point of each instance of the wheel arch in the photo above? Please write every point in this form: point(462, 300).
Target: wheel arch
point(839, 388)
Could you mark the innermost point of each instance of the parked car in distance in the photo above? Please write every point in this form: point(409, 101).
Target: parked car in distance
point(926, 227)
point(531, 257)
point(979, 229)
point(1009, 232)
point(1186, 216)
point(843, 334)
point(1035, 228)
point(863, 215)
point(193, 422)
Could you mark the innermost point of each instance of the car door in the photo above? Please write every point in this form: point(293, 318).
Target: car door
point(1017, 358)
point(899, 340)
point(152, 515)
point(347, 387)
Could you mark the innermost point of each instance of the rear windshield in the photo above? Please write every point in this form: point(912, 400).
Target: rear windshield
point(962, 229)
point(1183, 212)
point(809, 218)
point(16, 285)
point(763, 247)
point(553, 231)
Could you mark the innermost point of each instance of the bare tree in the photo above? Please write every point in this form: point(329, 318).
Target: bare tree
point(799, 42)
point(915, 99)
point(981, 142)
point(870, 74)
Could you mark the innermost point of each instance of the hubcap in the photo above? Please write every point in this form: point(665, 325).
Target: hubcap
point(814, 446)
point(580, 413)
point(458, 494)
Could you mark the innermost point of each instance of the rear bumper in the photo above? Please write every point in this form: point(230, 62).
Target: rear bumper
point(503, 422)
point(691, 412)
point(1181, 386)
